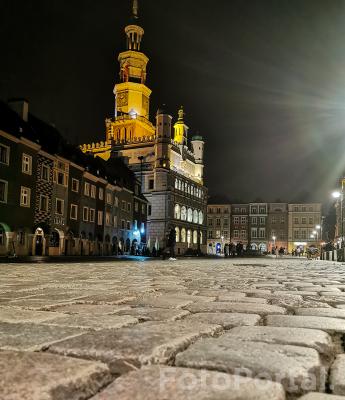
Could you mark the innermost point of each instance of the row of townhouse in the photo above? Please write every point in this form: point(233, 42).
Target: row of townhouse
point(54, 200)
point(262, 226)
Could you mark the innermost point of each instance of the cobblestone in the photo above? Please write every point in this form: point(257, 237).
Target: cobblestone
point(273, 319)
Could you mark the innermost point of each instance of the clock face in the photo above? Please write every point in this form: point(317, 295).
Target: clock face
point(122, 99)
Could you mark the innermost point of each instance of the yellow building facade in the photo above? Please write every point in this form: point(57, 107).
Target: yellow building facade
point(167, 162)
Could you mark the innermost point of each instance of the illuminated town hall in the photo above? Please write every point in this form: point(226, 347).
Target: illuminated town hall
point(168, 163)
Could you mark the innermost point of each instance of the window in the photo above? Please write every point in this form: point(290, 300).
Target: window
point(295, 208)
point(151, 184)
point(262, 210)
point(4, 154)
point(218, 210)
point(217, 234)
point(236, 233)
point(311, 220)
point(304, 234)
point(115, 221)
point(86, 214)
point(201, 217)
point(87, 189)
point(237, 210)
point(218, 222)
point(3, 191)
point(282, 220)
point(128, 226)
point(122, 224)
point(123, 205)
point(129, 207)
point(243, 220)
point(74, 211)
point(183, 235)
point(92, 215)
point(296, 234)
point(183, 213)
point(236, 220)
point(136, 206)
point(59, 206)
point(243, 234)
point(149, 211)
point(304, 220)
point(226, 211)
point(254, 233)
point(100, 193)
point(195, 216)
point(25, 195)
point(225, 233)
point(143, 209)
point(243, 211)
point(100, 218)
point(21, 238)
point(254, 210)
point(273, 220)
point(296, 220)
point(93, 191)
point(26, 164)
point(75, 185)
point(177, 230)
point(262, 220)
point(195, 237)
point(210, 234)
point(262, 233)
point(61, 179)
point(210, 222)
point(304, 208)
point(177, 211)
point(176, 185)
point(210, 211)
point(190, 215)
point(43, 203)
point(109, 199)
point(45, 172)
point(254, 220)
point(116, 201)
point(108, 219)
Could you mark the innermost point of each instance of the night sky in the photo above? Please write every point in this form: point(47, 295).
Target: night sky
point(262, 80)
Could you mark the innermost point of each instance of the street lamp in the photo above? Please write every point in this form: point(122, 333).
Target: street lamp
point(222, 237)
point(340, 195)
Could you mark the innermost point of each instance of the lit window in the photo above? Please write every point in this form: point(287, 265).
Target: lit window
point(195, 216)
point(236, 233)
point(190, 215)
point(115, 221)
point(177, 230)
point(243, 220)
point(87, 189)
point(116, 201)
point(74, 211)
point(195, 237)
point(177, 213)
point(109, 198)
point(108, 219)
point(201, 217)
point(100, 218)
point(93, 191)
point(25, 195)
point(100, 194)
point(236, 220)
point(4, 154)
point(183, 235)
point(26, 164)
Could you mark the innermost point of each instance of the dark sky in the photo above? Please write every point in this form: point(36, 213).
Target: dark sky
point(262, 80)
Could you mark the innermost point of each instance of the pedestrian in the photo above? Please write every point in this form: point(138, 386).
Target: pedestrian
point(226, 250)
point(298, 252)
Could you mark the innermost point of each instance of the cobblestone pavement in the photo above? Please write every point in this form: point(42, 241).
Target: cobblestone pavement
point(248, 329)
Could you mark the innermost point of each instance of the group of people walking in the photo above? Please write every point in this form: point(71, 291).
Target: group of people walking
point(233, 250)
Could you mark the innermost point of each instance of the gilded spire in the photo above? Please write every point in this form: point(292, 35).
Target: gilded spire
point(135, 9)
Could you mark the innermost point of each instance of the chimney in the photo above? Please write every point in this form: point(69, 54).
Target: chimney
point(21, 107)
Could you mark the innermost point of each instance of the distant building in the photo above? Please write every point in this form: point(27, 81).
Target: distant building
point(304, 224)
point(277, 225)
point(218, 225)
point(240, 224)
point(258, 219)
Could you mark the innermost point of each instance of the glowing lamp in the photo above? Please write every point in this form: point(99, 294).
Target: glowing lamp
point(336, 195)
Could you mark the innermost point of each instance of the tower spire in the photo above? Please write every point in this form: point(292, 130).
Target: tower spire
point(135, 9)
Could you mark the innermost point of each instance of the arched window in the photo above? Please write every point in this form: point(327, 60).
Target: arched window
point(183, 235)
point(177, 230)
point(177, 214)
point(189, 237)
point(195, 237)
point(201, 238)
point(201, 217)
point(195, 216)
point(190, 215)
point(176, 183)
point(183, 213)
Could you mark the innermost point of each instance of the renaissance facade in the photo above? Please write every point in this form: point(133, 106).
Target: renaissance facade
point(164, 156)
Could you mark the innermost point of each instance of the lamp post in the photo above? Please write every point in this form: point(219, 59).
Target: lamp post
point(274, 243)
point(222, 250)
